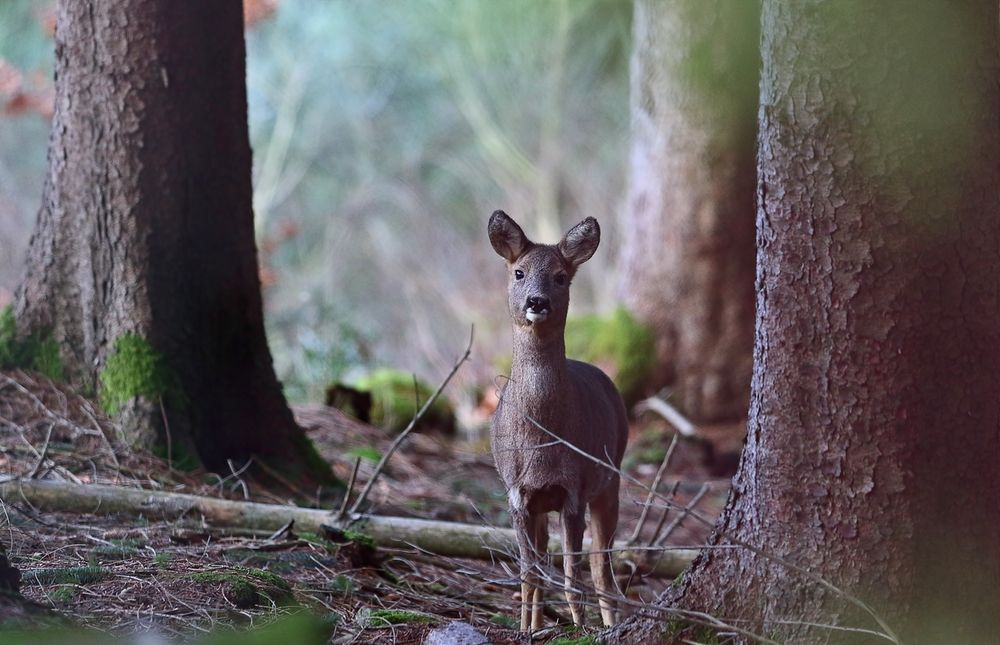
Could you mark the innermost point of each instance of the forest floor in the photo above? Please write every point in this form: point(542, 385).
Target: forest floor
point(122, 575)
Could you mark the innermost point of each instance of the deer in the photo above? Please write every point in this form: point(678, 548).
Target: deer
point(549, 400)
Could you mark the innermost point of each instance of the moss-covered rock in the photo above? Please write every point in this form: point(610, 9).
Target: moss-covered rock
point(395, 400)
point(135, 368)
point(248, 588)
point(37, 351)
point(617, 343)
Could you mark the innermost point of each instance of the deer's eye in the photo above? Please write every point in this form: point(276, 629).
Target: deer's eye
point(561, 279)
point(518, 274)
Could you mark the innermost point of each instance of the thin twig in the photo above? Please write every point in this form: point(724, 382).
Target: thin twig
point(649, 496)
point(45, 451)
point(170, 443)
point(413, 424)
point(281, 479)
point(350, 488)
point(665, 513)
point(706, 487)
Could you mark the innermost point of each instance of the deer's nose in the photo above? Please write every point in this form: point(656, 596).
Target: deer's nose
point(538, 303)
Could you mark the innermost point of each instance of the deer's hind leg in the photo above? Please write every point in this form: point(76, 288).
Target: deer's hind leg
point(573, 525)
point(603, 525)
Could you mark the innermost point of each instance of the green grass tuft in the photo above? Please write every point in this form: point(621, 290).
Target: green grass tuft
point(62, 595)
point(67, 575)
point(505, 621)
point(580, 640)
point(38, 351)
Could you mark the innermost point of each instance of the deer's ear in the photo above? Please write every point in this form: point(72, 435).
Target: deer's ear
point(581, 242)
point(506, 236)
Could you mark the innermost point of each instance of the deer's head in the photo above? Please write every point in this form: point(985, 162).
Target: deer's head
point(539, 275)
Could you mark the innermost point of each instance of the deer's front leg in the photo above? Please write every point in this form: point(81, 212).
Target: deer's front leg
point(573, 525)
point(528, 559)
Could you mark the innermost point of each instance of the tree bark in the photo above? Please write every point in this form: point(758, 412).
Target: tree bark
point(146, 225)
point(688, 255)
point(873, 437)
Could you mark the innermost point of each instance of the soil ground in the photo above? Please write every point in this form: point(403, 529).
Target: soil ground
point(125, 575)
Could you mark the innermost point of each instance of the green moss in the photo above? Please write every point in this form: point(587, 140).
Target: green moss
point(135, 368)
point(161, 559)
point(341, 584)
point(67, 575)
point(617, 342)
point(248, 588)
point(365, 452)
point(39, 351)
point(385, 617)
point(395, 401)
point(359, 537)
point(581, 640)
point(671, 630)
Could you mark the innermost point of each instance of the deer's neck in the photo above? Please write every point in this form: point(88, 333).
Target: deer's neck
point(538, 372)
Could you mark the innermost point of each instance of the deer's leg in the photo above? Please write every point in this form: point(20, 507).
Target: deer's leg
point(573, 524)
point(603, 524)
point(541, 540)
point(524, 531)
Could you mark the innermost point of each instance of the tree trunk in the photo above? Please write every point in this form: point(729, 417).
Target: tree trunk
point(873, 437)
point(146, 231)
point(688, 254)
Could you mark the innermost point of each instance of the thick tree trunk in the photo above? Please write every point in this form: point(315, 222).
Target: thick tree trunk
point(688, 255)
point(873, 437)
point(146, 226)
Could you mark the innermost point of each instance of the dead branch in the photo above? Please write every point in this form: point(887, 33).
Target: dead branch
point(442, 538)
point(670, 414)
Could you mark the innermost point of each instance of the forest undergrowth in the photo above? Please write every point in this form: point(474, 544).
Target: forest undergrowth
point(184, 578)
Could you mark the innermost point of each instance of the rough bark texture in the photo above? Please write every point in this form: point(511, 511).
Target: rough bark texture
point(873, 442)
point(146, 224)
point(689, 254)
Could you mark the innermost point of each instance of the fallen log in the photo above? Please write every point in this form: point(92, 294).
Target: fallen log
point(450, 539)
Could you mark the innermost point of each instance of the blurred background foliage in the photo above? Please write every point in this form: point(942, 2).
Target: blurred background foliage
point(384, 134)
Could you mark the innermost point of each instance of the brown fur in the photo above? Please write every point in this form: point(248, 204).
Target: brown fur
point(573, 400)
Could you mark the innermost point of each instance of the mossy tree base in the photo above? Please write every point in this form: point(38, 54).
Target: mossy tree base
point(142, 268)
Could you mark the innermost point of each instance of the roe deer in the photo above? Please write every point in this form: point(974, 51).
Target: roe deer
point(574, 401)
